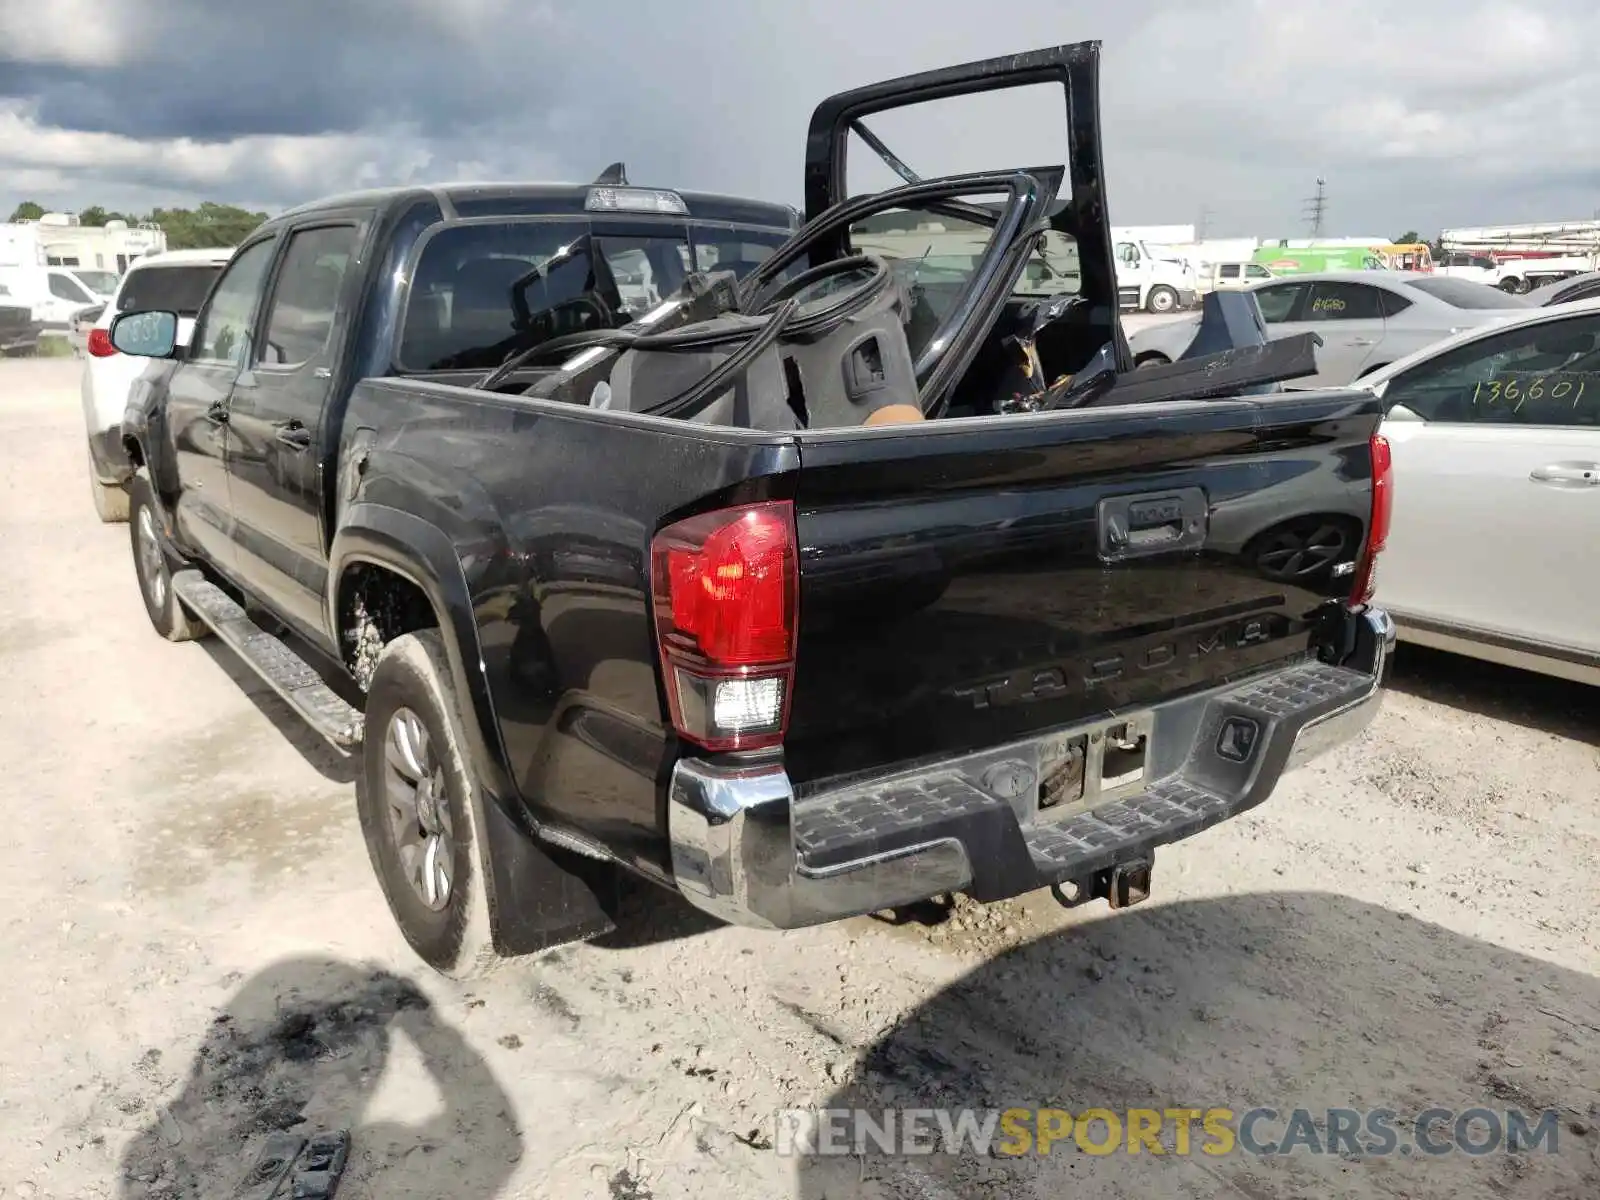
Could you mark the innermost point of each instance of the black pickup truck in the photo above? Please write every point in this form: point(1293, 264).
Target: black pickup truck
point(556, 505)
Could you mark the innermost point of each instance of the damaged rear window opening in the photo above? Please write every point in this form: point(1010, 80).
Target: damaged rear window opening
point(463, 310)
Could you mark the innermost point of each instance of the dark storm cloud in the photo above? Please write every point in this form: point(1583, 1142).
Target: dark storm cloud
point(219, 70)
point(1438, 111)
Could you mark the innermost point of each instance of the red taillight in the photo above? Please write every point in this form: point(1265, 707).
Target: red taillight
point(726, 588)
point(100, 344)
point(1366, 577)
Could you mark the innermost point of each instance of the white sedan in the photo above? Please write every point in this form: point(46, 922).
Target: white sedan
point(1366, 319)
point(1495, 435)
point(176, 281)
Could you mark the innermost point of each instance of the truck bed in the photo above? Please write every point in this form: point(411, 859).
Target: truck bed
point(958, 597)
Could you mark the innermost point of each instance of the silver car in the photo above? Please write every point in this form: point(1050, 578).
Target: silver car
point(1366, 319)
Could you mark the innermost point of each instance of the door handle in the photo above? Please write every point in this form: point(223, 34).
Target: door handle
point(1567, 474)
point(294, 434)
point(217, 414)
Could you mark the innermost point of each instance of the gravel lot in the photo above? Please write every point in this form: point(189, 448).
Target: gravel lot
point(197, 952)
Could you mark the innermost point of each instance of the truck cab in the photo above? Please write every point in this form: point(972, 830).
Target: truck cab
point(1147, 282)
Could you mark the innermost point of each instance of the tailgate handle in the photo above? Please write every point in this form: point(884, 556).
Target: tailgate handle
point(1152, 523)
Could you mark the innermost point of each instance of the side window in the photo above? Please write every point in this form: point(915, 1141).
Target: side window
point(1344, 302)
point(1546, 374)
point(1393, 303)
point(63, 288)
point(1127, 254)
point(300, 316)
point(1252, 271)
point(224, 330)
point(1279, 301)
point(1230, 271)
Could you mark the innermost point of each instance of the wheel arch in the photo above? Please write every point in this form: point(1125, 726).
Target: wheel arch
point(419, 556)
point(534, 902)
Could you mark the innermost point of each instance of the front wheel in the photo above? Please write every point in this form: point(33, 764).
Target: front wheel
point(1162, 299)
point(153, 568)
point(416, 800)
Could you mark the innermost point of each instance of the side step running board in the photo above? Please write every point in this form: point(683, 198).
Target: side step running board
point(288, 674)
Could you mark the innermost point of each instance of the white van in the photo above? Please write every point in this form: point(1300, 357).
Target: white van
point(54, 293)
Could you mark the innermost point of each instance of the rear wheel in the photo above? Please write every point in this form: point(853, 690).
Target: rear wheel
point(110, 500)
point(152, 566)
point(1162, 299)
point(416, 800)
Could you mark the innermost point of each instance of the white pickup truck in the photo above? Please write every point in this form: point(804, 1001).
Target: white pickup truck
point(1150, 283)
point(1521, 275)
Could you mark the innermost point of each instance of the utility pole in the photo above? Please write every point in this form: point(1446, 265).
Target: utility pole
point(1316, 208)
point(1200, 225)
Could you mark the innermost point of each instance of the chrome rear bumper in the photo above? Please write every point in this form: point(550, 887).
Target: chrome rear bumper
point(748, 850)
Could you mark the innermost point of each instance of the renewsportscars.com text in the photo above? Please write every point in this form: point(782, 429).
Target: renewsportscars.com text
point(1012, 1132)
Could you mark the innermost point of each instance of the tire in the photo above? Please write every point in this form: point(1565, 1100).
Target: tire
point(444, 918)
point(152, 566)
point(1515, 287)
point(1302, 550)
point(110, 500)
point(1161, 299)
point(1150, 360)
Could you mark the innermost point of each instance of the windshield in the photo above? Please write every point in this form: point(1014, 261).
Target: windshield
point(1463, 293)
point(100, 282)
point(567, 276)
point(178, 290)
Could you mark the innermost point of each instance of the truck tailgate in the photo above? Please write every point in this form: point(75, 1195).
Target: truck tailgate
point(966, 584)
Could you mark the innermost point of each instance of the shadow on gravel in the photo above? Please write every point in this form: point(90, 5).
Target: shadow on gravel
point(1279, 1000)
point(327, 761)
point(647, 915)
point(301, 1048)
point(1538, 702)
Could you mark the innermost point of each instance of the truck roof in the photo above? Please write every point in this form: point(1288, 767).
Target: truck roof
point(487, 199)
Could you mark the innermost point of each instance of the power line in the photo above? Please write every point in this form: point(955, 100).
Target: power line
point(1316, 208)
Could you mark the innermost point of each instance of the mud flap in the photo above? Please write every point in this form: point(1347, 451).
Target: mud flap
point(292, 1167)
point(535, 901)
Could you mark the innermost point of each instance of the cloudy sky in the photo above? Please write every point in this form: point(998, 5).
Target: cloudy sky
point(1422, 114)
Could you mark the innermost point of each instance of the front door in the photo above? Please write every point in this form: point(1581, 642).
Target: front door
point(1080, 217)
point(66, 295)
point(275, 424)
point(197, 403)
point(1497, 487)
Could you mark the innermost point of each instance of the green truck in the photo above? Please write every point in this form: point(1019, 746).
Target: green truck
point(1300, 260)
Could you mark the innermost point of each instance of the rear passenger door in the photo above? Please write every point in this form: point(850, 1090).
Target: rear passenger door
point(276, 454)
point(1349, 318)
point(1497, 507)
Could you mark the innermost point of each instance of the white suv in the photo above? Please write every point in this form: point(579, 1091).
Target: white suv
point(177, 281)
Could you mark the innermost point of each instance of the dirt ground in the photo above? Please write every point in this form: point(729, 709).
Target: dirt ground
point(195, 953)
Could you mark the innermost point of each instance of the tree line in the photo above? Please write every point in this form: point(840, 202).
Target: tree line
point(209, 225)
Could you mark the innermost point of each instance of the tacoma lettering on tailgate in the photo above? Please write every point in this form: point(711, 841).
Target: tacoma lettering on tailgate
point(1055, 680)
